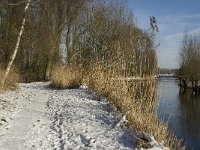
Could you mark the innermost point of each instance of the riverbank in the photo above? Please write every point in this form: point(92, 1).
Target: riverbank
point(34, 116)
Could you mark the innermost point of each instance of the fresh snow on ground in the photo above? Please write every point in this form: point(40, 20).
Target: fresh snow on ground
point(36, 117)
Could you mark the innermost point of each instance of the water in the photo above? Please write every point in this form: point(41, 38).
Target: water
point(181, 109)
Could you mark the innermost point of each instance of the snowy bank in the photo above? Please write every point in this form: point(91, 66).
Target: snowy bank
point(36, 117)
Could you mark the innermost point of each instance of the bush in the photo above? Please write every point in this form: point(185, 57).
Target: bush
point(66, 76)
point(12, 80)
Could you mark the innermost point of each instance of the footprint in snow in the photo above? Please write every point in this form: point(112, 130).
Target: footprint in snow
point(86, 141)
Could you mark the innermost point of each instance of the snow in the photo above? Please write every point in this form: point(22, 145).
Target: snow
point(132, 78)
point(36, 117)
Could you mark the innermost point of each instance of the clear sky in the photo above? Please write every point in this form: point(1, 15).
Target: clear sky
point(174, 17)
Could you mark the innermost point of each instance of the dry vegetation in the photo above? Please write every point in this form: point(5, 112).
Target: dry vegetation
point(67, 76)
point(13, 78)
point(137, 99)
point(39, 45)
point(189, 59)
point(108, 45)
point(101, 41)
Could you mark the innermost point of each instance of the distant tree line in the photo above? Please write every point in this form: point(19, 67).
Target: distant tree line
point(168, 71)
point(102, 30)
point(189, 60)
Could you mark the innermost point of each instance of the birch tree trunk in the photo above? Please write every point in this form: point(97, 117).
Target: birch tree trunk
point(16, 46)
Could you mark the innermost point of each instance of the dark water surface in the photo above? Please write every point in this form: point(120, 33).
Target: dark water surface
point(181, 109)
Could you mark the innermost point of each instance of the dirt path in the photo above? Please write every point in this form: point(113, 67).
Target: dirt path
point(39, 118)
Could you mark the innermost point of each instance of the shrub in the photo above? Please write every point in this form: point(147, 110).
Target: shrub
point(66, 76)
point(12, 80)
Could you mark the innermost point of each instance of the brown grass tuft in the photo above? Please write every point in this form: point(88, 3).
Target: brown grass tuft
point(12, 80)
point(66, 76)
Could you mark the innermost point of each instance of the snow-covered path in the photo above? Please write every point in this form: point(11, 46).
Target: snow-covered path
point(36, 117)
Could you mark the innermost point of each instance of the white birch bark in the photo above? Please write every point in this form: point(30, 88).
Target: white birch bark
point(16, 46)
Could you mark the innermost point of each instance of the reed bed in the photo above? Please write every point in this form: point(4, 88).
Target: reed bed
point(137, 99)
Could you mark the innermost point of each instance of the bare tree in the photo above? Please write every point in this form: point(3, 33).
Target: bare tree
point(97, 30)
point(17, 45)
point(189, 61)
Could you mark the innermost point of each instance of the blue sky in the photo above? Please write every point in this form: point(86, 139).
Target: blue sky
point(174, 17)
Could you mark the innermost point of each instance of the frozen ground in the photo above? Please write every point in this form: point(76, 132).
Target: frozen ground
point(36, 117)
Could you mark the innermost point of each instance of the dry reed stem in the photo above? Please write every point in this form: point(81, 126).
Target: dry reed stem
point(66, 76)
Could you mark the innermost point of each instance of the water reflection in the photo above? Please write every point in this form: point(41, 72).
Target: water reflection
point(190, 108)
point(181, 109)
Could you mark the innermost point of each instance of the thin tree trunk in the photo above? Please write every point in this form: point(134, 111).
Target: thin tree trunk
point(50, 63)
point(16, 46)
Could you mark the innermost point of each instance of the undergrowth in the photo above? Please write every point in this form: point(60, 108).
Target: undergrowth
point(12, 80)
point(66, 77)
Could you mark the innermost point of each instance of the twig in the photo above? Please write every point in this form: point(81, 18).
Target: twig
point(15, 4)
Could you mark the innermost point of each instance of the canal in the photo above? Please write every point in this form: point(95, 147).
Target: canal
point(181, 110)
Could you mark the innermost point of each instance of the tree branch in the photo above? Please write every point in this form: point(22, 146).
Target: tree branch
point(15, 4)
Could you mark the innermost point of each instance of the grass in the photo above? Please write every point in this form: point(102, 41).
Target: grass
point(138, 99)
point(12, 80)
point(66, 77)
